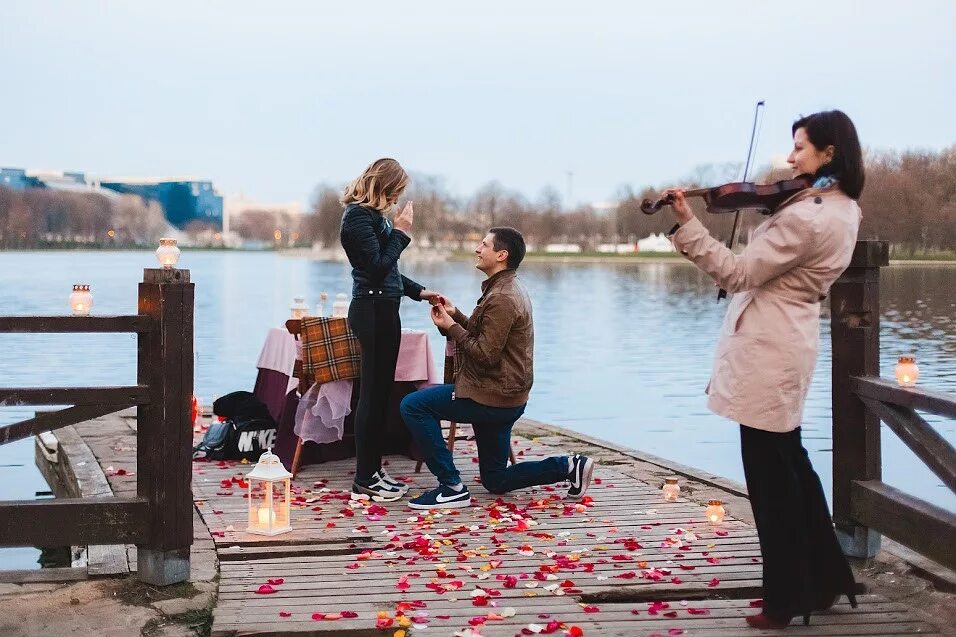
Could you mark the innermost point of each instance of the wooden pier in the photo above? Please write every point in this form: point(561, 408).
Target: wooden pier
point(619, 561)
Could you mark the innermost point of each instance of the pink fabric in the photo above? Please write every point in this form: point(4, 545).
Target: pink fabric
point(321, 414)
point(415, 360)
point(279, 354)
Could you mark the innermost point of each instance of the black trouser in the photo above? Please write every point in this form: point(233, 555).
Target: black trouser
point(802, 559)
point(379, 331)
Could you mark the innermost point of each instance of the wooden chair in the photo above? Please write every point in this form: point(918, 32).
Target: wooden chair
point(294, 326)
point(449, 378)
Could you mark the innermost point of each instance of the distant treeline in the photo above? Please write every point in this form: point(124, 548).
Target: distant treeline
point(909, 200)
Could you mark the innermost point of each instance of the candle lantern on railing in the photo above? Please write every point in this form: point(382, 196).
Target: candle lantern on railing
point(671, 489)
point(81, 300)
point(715, 512)
point(270, 496)
point(906, 371)
point(167, 253)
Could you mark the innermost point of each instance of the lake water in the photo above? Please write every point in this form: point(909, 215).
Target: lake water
point(623, 350)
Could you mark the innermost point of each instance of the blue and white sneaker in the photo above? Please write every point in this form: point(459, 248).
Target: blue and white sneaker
point(582, 468)
point(442, 497)
point(382, 475)
point(377, 491)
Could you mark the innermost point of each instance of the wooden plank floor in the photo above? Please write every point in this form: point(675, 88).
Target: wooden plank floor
point(619, 562)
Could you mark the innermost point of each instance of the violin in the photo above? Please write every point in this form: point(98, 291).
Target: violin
point(739, 195)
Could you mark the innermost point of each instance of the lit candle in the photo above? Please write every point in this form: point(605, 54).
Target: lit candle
point(266, 516)
point(906, 371)
point(715, 512)
point(167, 253)
point(81, 300)
point(671, 489)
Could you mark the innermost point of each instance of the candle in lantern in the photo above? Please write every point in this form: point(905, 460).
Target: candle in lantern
point(167, 253)
point(267, 516)
point(81, 300)
point(269, 496)
point(671, 489)
point(906, 371)
point(715, 512)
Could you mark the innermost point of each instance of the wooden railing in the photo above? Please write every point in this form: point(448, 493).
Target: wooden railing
point(863, 505)
point(159, 519)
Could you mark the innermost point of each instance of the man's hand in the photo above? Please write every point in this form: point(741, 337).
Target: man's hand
point(447, 304)
point(440, 317)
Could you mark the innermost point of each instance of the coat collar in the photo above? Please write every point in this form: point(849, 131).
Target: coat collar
point(497, 279)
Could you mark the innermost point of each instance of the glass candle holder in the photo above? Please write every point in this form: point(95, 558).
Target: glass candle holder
point(671, 489)
point(906, 371)
point(167, 253)
point(715, 512)
point(81, 300)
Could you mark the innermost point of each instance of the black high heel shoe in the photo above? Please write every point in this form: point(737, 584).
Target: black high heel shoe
point(827, 602)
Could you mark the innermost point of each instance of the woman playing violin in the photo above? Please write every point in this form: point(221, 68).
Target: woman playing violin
point(767, 352)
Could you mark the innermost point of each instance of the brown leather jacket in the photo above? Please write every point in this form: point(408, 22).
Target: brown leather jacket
point(495, 345)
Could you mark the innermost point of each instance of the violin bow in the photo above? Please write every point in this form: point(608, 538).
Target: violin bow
point(722, 293)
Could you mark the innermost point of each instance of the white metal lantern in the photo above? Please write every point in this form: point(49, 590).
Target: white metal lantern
point(81, 300)
point(671, 489)
point(270, 496)
point(715, 512)
point(167, 253)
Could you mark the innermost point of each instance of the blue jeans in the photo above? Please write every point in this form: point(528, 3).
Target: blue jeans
point(424, 409)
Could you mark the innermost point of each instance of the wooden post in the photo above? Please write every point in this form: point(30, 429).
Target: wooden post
point(164, 428)
point(855, 334)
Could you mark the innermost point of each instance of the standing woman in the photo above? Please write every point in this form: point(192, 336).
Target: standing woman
point(766, 355)
point(373, 246)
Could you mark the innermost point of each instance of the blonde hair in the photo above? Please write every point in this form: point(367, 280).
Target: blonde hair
point(384, 179)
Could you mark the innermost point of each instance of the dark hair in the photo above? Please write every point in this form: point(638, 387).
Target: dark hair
point(511, 240)
point(834, 128)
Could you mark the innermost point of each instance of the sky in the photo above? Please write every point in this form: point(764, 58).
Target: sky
point(271, 99)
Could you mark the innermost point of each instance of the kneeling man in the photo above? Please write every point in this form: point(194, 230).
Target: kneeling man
point(494, 351)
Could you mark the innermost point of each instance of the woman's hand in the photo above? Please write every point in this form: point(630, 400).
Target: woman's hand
point(678, 203)
point(440, 317)
point(403, 220)
point(431, 296)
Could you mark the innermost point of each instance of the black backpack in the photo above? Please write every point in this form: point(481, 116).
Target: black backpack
point(247, 432)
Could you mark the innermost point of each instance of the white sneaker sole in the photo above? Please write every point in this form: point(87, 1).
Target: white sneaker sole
point(375, 498)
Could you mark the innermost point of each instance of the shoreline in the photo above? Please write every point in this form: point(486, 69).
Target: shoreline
point(538, 257)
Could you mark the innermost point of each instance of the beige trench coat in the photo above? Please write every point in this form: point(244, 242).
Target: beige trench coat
point(768, 342)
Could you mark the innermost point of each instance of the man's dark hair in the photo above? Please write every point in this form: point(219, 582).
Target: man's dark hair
point(511, 240)
point(834, 128)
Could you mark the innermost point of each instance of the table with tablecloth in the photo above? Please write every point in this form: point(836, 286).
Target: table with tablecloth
point(330, 355)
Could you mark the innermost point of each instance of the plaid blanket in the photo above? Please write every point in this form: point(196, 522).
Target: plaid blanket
point(330, 350)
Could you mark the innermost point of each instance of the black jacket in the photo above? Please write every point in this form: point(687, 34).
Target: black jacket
point(373, 248)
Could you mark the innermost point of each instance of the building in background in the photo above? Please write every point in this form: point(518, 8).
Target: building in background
point(184, 199)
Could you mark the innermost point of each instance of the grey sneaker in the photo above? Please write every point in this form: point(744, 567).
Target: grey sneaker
point(382, 474)
point(580, 476)
point(377, 491)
